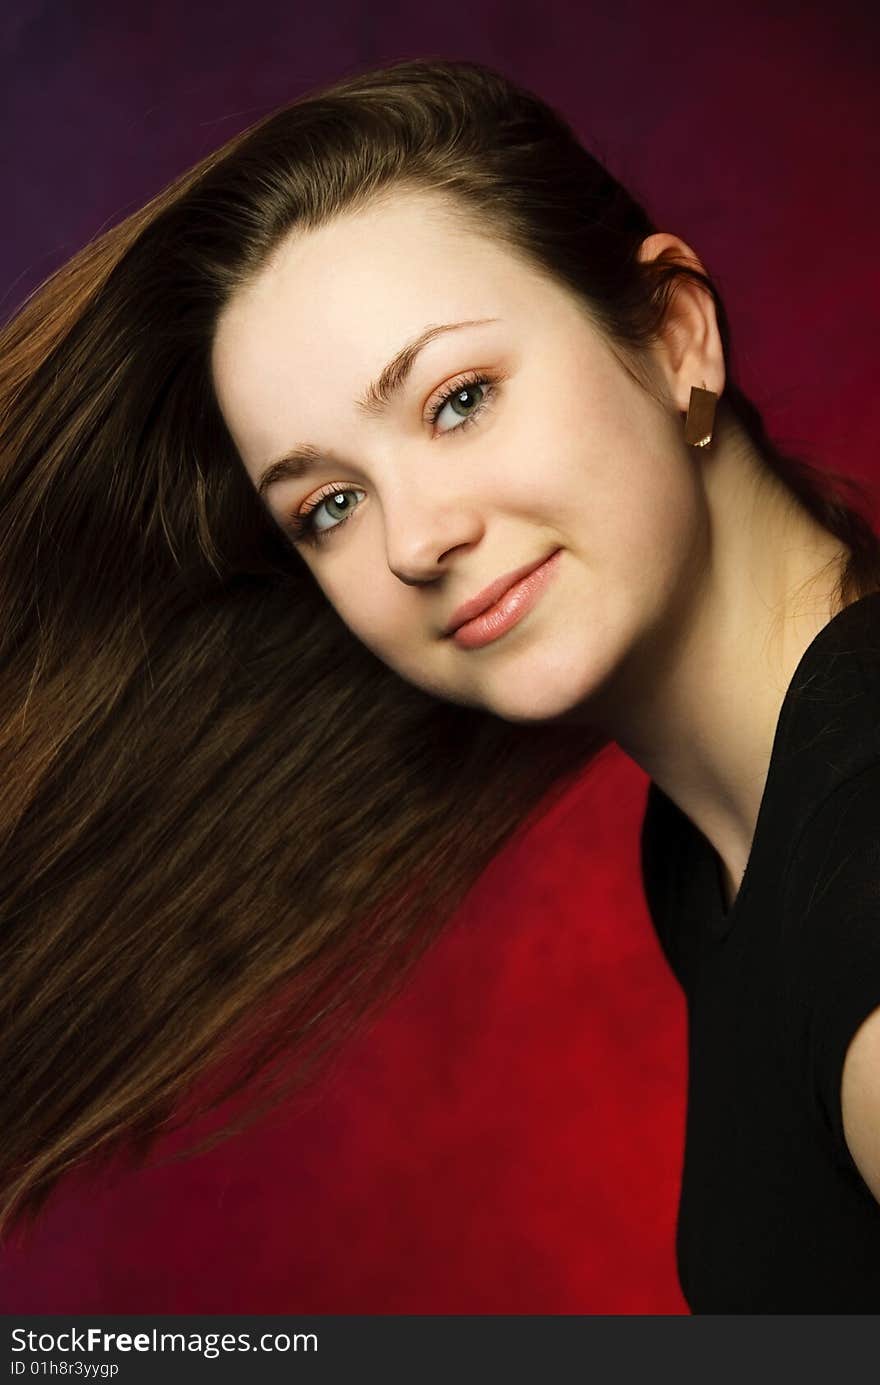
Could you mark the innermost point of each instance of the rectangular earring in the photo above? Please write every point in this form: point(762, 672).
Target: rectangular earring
point(700, 417)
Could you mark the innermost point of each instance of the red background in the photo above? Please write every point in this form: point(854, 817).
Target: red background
point(507, 1138)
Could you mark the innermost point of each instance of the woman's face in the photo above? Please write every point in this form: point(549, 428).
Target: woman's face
point(516, 441)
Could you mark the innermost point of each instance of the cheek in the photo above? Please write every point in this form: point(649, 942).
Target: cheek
point(635, 504)
point(375, 610)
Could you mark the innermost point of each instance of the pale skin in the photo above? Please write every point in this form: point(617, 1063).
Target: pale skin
point(687, 587)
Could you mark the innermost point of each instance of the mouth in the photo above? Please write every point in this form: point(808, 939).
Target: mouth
point(500, 606)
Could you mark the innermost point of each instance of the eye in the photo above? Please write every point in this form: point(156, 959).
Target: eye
point(463, 400)
point(305, 523)
point(340, 506)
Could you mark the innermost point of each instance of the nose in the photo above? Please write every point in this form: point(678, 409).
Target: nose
point(422, 531)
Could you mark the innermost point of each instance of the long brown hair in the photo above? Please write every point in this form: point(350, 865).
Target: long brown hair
point(227, 830)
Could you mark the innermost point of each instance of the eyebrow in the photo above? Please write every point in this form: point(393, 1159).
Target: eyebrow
point(374, 403)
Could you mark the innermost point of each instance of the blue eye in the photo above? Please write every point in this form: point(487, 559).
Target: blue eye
point(467, 398)
point(304, 524)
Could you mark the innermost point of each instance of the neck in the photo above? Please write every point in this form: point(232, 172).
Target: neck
point(698, 702)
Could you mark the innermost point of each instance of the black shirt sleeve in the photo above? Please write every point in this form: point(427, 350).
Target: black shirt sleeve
point(830, 962)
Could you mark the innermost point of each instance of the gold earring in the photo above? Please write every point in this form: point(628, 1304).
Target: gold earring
point(700, 416)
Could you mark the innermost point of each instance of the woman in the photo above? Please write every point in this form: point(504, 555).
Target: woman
point(356, 492)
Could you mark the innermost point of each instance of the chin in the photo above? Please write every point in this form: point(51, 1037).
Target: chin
point(555, 681)
point(529, 689)
point(534, 704)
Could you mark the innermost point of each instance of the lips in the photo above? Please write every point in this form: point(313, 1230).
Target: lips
point(489, 595)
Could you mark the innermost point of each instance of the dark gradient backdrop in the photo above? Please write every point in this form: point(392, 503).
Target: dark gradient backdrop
point(508, 1139)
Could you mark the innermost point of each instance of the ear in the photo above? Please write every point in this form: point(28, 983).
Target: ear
point(690, 352)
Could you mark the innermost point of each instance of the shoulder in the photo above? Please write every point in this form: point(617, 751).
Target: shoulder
point(860, 1100)
point(831, 962)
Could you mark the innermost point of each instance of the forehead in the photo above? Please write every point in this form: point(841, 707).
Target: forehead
point(395, 257)
point(336, 302)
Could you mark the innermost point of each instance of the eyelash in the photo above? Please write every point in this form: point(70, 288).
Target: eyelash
point(301, 527)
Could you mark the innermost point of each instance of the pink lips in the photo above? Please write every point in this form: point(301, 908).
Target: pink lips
point(500, 606)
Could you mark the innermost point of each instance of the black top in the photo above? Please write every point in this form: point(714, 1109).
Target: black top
point(774, 1216)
